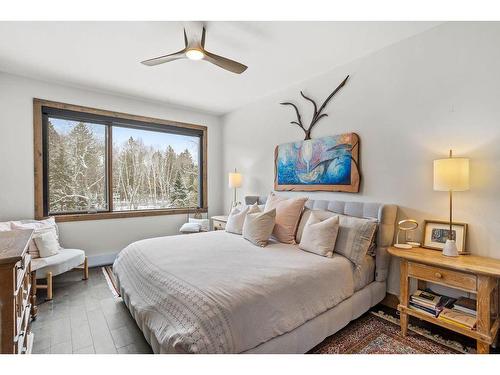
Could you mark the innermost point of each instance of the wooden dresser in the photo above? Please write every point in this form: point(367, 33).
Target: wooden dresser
point(16, 300)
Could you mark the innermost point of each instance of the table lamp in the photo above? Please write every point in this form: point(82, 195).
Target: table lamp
point(235, 179)
point(451, 174)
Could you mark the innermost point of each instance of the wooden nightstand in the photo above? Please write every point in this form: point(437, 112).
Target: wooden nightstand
point(469, 273)
point(219, 222)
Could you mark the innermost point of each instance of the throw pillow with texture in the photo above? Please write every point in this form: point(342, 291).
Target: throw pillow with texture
point(47, 243)
point(236, 219)
point(319, 235)
point(258, 227)
point(355, 237)
point(5, 226)
point(288, 211)
point(190, 228)
point(38, 226)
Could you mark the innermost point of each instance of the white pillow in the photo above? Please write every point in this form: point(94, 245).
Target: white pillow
point(190, 228)
point(47, 243)
point(38, 226)
point(5, 226)
point(319, 235)
point(204, 223)
point(258, 227)
point(236, 219)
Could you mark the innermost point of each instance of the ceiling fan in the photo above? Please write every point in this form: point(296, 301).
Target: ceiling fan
point(195, 50)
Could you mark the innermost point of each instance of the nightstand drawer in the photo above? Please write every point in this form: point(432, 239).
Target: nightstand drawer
point(459, 280)
point(219, 225)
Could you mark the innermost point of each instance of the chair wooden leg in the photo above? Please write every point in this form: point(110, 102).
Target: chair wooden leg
point(85, 269)
point(49, 286)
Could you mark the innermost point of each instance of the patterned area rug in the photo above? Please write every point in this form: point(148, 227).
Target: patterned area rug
point(374, 333)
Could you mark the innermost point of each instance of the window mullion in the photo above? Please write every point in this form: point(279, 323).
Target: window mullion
point(109, 165)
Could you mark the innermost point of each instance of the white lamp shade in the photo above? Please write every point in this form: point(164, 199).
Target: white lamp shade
point(235, 180)
point(451, 174)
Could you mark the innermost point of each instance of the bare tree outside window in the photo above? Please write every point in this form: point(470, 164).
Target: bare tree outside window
point(153, 170)
point(76, 166)
point(150, 169)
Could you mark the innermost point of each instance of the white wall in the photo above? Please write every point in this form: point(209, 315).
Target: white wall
point(99, 238)
point(409, 103)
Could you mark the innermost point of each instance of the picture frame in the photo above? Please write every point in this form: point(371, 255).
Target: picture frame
point(436, 234)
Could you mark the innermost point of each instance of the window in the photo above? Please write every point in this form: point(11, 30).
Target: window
point(92, 164)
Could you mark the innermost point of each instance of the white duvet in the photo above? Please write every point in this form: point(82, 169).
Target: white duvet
point(215, 292)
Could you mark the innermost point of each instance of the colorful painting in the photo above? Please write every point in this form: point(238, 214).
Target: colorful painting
point(328, 163)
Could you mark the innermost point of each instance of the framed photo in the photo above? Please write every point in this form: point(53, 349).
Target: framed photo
point(436, 233)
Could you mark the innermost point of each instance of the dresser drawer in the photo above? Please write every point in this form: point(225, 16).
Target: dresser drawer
point(23, 269)
point(443, 276)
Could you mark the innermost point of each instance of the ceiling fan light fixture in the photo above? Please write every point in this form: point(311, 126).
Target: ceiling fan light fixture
point(194, 54)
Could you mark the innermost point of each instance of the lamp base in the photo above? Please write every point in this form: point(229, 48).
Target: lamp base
point(450, 249)
point(402, 246)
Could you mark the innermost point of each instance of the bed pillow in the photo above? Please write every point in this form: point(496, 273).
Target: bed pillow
point(258, 227)
point(306, 214)
point(288, 211)
point(355, 237)
point(320, 235)
point(236, 219)
point(47, 243)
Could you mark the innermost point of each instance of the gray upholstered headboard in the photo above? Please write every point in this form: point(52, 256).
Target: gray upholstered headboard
point(385, 214)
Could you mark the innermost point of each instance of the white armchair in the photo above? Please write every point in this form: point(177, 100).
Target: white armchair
point(47, 267)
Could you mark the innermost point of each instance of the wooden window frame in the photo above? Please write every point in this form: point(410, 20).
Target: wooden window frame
point(40, 213)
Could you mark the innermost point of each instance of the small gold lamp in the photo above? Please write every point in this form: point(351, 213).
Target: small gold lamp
point(235, 180)
point(451, 174)
point(406, 226)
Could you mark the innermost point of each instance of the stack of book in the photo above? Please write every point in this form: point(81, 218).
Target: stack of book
point(429, 302)
point(458, 318)
point(463, 313)
point(466, 305)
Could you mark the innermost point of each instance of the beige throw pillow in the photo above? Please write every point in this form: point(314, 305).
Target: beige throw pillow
point(47, 243)
point(236, 219)
point(38, 226)
point(258, 227)
point(319, 235)
point(288, 211)
point(355, 237)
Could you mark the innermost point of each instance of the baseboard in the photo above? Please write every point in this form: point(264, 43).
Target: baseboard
point(101, 260)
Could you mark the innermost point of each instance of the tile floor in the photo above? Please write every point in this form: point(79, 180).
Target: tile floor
point(84, 317)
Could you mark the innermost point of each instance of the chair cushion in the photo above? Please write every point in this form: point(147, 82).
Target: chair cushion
point(66, 260)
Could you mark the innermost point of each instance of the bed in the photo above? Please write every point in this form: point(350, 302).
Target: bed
point(215, 292)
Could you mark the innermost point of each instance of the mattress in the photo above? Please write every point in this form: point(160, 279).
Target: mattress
point(216, 292)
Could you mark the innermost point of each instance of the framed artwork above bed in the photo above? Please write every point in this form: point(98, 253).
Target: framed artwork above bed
point(322, 164)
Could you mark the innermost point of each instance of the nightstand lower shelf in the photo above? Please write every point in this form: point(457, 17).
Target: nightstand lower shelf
point(487, 339)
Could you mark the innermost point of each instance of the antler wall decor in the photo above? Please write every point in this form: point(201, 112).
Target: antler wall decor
point(317, 115)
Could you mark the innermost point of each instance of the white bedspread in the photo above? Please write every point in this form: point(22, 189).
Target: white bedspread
point(215, 292)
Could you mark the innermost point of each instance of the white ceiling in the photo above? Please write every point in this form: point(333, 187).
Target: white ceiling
point(106, 56)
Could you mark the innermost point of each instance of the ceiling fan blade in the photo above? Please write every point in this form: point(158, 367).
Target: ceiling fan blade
point(164, 59)
point(203, 37)
point(224, 63)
